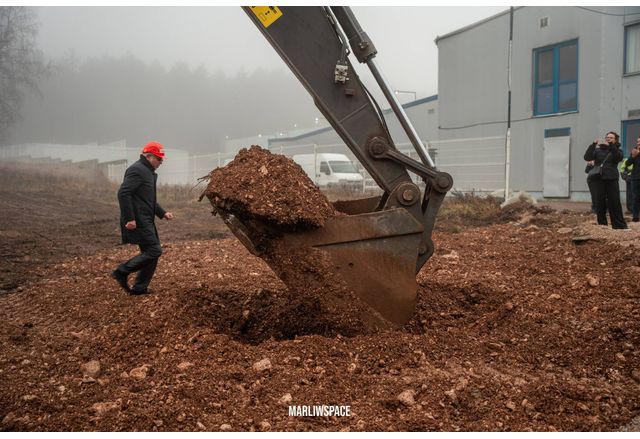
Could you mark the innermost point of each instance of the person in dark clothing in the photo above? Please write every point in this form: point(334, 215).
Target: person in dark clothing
point(138, 209)
point(623, 167)
point(588, 168)
point(604, 177)
point(634, 179)
point(628, 200)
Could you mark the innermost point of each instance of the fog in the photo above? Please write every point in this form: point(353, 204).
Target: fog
point(193, 76)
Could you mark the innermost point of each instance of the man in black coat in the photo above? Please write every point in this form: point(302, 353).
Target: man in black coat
point(138, 209)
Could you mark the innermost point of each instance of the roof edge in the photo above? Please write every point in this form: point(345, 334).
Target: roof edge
point(476, 24)
point(416, 102)
point(328, 128)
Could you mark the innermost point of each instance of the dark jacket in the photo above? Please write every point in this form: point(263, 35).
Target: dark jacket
point(635, 173)
point(608, 156)
point(137, 198)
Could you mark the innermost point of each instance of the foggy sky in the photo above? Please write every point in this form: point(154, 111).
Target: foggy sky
point(223, 38)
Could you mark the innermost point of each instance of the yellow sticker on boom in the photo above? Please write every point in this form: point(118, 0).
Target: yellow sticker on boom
point(266, 14)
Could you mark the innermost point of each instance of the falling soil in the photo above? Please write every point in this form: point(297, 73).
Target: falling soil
point(272, 196)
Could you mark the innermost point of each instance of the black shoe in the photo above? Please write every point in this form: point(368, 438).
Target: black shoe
point(635, 220)
point(121, 278)
point(137, 292)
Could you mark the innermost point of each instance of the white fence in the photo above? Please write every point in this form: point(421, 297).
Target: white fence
point(112, 158)
point(476, 164)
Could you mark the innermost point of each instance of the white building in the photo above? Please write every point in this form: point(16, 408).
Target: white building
point(575, 76)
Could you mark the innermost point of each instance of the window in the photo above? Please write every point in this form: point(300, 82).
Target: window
point(343, 167)
point(557, 132)
point(630, 133)
point(555, 78)
point(632, 48)
point(324, 167)
point(544, 22)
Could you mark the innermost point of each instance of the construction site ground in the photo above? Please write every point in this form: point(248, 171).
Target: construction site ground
point(527, 319)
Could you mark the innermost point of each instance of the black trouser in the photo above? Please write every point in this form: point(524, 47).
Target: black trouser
point(628, 200)
point(607, 196)
point(635, 198)
point(593, 195)
point(145, 264)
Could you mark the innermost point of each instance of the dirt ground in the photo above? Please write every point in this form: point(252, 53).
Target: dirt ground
point(525, 321)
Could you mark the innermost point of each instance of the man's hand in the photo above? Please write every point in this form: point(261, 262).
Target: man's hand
point(131, 225)
point(635, 152)
point(168, 216)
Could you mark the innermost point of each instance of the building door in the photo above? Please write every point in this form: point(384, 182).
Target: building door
point(555, 182)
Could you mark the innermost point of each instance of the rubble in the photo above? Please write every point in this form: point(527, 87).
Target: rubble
point(91, 369)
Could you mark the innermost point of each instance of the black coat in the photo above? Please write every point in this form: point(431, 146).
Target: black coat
point(635, 172)
point(137, 198)
point(608, 158)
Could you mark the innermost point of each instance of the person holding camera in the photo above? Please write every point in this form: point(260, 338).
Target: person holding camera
point(634, 181)
point(604, 178)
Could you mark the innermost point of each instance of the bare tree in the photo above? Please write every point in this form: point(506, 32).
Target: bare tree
point(21, 63)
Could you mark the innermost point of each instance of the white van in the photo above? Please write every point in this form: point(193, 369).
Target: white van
point(329, 169)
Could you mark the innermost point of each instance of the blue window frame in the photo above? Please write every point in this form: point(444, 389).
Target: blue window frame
point(632, 48)
point(555, 78)
point(557, 132)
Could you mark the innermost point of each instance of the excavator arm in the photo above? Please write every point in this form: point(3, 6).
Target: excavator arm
point(382, 242)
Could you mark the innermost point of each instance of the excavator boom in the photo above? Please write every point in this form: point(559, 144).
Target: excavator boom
point(382, 242)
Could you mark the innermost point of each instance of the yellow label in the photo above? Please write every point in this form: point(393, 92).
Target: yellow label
point(266, 14)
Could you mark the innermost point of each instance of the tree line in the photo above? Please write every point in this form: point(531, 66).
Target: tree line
point(110, 98)
point(21, 63)
point(105, 99)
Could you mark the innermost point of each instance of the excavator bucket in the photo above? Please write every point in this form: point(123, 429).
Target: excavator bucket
point(372, 253)
point(377, 247)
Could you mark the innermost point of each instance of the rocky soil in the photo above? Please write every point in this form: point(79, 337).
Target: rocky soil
point(519, 326)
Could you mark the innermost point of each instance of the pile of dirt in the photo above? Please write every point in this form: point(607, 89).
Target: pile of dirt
point(269, 187)
point(590, 230)
point(516, 211)
point(463, 210)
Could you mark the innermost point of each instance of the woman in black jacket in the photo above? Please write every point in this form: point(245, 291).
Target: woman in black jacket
point(604, 179)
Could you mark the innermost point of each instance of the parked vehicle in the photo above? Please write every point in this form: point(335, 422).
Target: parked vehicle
point(329, 170)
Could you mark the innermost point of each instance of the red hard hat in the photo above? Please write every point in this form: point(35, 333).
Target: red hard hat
point(154, 148)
